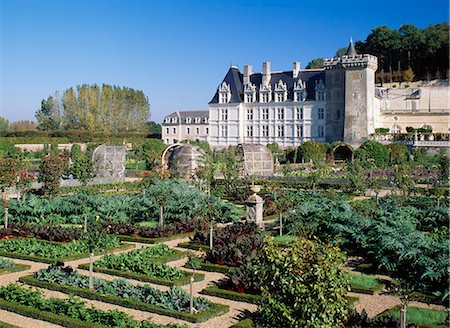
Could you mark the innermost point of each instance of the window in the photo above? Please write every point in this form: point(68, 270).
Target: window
point(299, 113)
point(188, 120)
point(321, 95)
point(265, 113)
point(249, 97)
point(280, 113)
point(167, 130)
point(265, 131)
point(174, 130)
point(223, 97)
point(298, 96)
point(320, 114)
point(197, 120)
point(207, 130)
point(280, 97)
point(249, 114)
point(299, 130)
point(249, 131)
point(167, 141)
point(205, 120)
point(197, 131)
point(224, 114)
point(281, 131)
point(188, 130)
point(395, 129)
point(320, 131)
point(223, 131)
point(265, 97)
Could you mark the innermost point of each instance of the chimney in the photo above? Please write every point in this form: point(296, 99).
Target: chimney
point(296, 69)
point(247, 74)
point(266, 73)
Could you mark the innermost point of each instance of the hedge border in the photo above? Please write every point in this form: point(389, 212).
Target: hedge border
point(193, 246)
point(122, 246)
point(370, 291)
point(145, 240)
point(391, 311)
point(232, 295)
point(178, 282)
point(7, 325)
point(46, 316)
point(176, 255)
point(214, 310)
point(15, 268)
point(211, 267)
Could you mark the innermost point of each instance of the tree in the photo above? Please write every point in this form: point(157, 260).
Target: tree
point(150, 151)
point(50, 171)
point(4, 124)
point(357, 177)
point(23, 125)
point(8, 171)
point(7, 150)
point(49, 115)
point(398, 153)
point(312, 151)
point(93, 236)
point(315, 63)
point(375, 151)
point(341, 52)
point(302, 285)
point(408, 75)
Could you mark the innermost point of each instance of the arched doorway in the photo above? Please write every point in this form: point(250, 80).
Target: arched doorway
point(343, 153)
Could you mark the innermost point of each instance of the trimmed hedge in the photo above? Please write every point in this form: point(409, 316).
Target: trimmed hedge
point(33, 258)
point(6, 325)
point(194, 246)
point(46, 316)
point(232, 295)
point(169, 258)
point(144, 240)
point(210, 267)
point(369, 291)
point(214, 310)
point(425, 298)
point(15, 268)
point(141, 277)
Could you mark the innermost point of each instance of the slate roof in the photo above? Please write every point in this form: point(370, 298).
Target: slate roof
point(183, 115)
point(235, 79)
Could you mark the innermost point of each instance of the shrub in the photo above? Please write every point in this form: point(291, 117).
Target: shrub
point(375, 151)
point(312, 151)
point(50, 174)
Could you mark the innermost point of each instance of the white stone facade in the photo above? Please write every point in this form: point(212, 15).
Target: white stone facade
point(185, 125)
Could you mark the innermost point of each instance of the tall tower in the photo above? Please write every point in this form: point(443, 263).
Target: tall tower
point(350, 96)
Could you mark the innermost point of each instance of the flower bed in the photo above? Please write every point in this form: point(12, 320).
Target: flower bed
point(145, 264)
point(174, 302)
point(7, 266)
point(65, 312)
point(49, 252)
point(47, 232)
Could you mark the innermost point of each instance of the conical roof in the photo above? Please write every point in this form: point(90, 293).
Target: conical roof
point(351, 51)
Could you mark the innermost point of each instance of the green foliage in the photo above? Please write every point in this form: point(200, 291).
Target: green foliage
point(382, 130)
point(373, 151)
point(398, 153)
point(149, 151)
point(8, 172)
point(302, 285)
point(69, 308)
point(315, 63)
point(444, 168)
point(39, 248)
point(7, 150)
point(6, 263)
point(4, 124)
point(93, 108)
point(173, 299)
point(312, 151)
point(355, 174)
point(54, 150)
point(50, 171)
point(137, 261)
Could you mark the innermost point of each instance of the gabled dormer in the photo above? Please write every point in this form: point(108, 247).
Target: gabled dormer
point(265, 93)
point(249, 93)
point(300, 91)
point(224, 93)
point(280, 91)
point(320, 90)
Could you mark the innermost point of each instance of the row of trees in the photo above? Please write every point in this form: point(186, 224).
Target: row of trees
point(22, 125)
point(406, 53)
point(94, 108)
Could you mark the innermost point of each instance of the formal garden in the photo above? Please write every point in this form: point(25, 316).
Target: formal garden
point(336, 238)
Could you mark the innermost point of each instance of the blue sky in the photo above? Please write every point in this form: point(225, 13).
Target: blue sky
point(176, 51)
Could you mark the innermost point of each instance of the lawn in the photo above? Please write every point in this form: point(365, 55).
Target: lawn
point(363, 283)
point(422, 316)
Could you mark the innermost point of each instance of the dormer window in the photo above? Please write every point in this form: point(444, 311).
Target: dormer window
point(224, 93)
point(265, 93)
point(188, 120)
point(320, 91)
point(249, 93)
point(280, 91)
point(249, 97)
point(264, 97)
point(205, 120)
point(299, 91)
point(197, 120)
point(174, 120)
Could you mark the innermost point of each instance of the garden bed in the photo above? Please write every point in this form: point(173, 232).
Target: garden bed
point(216, 290)
point(184, 280)
point(34, 246)
point(211, 267)
point(194, 246)
point(144, 240)
point(15, 268)
point(425, 318)
point(213, 311)
point(365, 284)
point(70, 312)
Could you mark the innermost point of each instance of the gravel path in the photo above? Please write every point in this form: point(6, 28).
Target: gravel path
point(373, 304)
